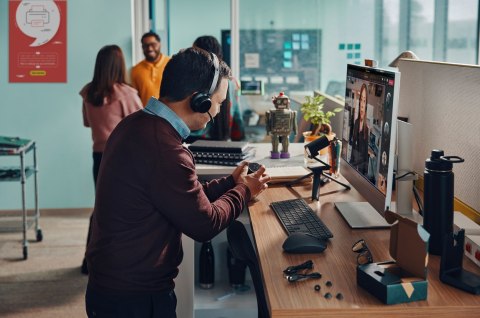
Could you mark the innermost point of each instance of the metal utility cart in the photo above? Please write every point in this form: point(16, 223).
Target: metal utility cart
point(15, 146)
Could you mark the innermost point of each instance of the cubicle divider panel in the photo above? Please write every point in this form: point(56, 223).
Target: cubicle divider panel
point(441, 101)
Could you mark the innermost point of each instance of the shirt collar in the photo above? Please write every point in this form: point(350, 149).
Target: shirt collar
point(157, 63)
point(157, 108)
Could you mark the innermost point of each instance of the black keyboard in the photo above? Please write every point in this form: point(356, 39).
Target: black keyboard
point(297, 216)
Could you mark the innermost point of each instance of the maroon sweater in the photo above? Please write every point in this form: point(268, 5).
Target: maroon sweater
point(148, 194)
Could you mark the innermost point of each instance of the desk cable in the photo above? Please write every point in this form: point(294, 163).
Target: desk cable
point(292, 273)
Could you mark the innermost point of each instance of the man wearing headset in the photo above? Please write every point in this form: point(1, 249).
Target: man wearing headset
point(148, 193)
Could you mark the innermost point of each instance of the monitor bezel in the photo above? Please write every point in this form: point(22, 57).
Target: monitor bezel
point(379, 201)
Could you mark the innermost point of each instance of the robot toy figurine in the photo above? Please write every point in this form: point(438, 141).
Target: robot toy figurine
point(280, 122)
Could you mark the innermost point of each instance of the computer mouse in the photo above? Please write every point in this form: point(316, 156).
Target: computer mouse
point(300, 243)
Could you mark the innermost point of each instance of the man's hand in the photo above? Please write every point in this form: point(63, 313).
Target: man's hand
point(241, 169)
point(256, 182)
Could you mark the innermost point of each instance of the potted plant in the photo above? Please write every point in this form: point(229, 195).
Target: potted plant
point(312, 110)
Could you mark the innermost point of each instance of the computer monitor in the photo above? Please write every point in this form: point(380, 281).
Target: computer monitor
point(368, 143)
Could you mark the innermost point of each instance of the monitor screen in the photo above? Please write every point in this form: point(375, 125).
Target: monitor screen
point(369, 132)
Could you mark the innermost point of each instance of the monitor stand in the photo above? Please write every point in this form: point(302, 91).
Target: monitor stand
point(413, 215)
point(405, 174)
point(361, 215)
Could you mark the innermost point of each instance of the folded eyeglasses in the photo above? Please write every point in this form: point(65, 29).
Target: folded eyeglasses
point(364, 255)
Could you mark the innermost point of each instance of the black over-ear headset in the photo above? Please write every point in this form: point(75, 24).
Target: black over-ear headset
point(201, 102)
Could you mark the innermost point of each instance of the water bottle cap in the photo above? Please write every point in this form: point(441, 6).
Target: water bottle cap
point(436, 163)
point(436, 154)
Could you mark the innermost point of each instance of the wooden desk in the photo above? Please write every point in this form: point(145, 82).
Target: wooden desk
point(338, 265)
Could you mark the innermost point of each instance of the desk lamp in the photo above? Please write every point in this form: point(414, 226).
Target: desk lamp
point(312, 149)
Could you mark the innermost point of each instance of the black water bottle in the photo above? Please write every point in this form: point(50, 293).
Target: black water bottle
point(438, 198)
point(236, 270)
point(207, 265)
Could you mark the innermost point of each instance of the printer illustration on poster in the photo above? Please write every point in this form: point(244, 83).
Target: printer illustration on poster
point(37, 41)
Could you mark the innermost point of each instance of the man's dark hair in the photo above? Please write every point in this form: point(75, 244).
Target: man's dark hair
point(150, 33)
point(190, 70)
point(210, 44)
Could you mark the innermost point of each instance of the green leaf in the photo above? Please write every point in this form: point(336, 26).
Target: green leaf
point(312, 110)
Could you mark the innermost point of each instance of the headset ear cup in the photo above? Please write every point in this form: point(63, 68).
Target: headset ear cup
point(200, 103)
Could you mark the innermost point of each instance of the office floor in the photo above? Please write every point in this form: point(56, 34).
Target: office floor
point(49, 283)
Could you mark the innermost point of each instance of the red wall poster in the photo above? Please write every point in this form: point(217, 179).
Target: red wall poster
point(37, 41)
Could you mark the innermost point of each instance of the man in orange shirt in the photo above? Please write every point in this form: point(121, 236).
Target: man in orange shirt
point(146, 76)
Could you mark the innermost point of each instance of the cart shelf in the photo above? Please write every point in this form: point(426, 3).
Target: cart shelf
point(15, 146)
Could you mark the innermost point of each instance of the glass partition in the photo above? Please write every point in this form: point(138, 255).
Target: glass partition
point(304, 45)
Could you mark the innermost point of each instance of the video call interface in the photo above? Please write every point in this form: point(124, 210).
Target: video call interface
point(367, 122)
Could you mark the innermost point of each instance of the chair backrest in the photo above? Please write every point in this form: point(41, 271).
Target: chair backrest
point(242, 249)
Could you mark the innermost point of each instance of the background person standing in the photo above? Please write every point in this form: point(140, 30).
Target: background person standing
point(107, 99)
point(228, 124)
point(146, 76)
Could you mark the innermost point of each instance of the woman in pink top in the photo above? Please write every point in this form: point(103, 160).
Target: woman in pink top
point(107, 99)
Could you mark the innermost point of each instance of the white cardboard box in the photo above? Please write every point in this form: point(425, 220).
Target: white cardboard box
point(461, 221)
point(472, 235)
point(472, 248)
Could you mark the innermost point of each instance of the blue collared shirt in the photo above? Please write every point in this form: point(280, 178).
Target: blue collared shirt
point(157, 108)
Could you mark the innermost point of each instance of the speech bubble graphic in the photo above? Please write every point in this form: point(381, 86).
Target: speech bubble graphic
point(39, 20)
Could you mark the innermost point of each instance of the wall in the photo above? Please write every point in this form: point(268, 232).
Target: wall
point(191, 19)
point(51, 113)
point(441, 101)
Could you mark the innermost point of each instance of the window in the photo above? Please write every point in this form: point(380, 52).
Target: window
point(461, 42)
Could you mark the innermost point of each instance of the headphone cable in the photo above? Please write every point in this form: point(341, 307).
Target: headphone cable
point(211, 118)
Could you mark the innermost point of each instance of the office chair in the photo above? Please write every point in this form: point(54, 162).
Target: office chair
point(242, 249)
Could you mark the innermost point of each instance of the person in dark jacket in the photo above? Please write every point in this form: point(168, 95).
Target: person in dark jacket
point(148, 193)
point(106, 100)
